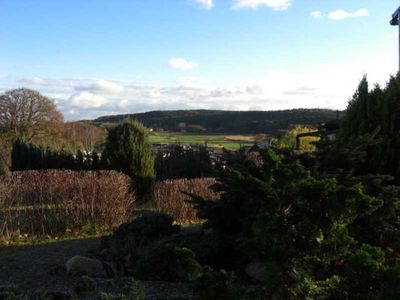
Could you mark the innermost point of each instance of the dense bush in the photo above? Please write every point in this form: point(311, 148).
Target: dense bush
point(289, 140)
point(170, 196)
point(53, 202)
point(299, 226)
point(130, 239)
point(216, 285)
point(369, 140)
point(169, 263)
point(178, 162)
point(28, 156)
point(128, 150)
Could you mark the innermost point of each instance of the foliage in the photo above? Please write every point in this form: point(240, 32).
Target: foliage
point(216, 285)
point(168, 262)
point(296, 223)
point(176, 162)
point(129, 288)
point(29, 156)
point(305, 287)
point(288, 141)
point(27, 113)
point(170, 196)
point(5, 157)
point(82, 135)
point(364, 271)
point(9, 292)
point(205, 246)
point(123, 288)
point(86, 284)
point(54, 202)
point(130, 239)
point(128, 150)
point(368, 141)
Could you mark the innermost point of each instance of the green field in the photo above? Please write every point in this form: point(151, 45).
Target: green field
point(231, 142)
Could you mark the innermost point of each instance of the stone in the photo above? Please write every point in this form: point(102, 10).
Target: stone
point(257, 270)
point(80, 265)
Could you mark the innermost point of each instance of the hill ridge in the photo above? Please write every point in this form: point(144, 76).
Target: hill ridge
point(226, 121)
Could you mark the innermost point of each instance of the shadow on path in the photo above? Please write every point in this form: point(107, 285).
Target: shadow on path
point(42, 266)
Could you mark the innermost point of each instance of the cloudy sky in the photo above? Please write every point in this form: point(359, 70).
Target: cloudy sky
point(98, 57)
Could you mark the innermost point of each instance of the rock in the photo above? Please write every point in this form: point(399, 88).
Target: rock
point(80, 265)
point(257, 270)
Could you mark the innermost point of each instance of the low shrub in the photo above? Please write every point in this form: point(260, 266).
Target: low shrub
point(130, 239)
point(205, 246)
point(124, 288)
point(54, 202)
point(216, 285)
point(169, 263)
point(171, 197)
point(85, 285)
point(9, 292)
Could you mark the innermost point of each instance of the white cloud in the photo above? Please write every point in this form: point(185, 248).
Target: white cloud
point(316, 14)
point(341, 14)
point(253, 4)
point(33, 80)
point(254, 90)
point(182, 64)
point(102, 86)
point(86, 100)
point(207, 4)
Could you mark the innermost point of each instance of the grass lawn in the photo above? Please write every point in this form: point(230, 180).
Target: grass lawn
point(231, 142)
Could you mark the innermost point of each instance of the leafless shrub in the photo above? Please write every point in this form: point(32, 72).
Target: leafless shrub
point(170, 199)
point(53, 202)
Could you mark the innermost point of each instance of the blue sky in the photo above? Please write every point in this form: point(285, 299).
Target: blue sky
point(97, 57)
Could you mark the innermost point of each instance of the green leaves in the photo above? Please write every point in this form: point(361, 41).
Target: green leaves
point(128, 150)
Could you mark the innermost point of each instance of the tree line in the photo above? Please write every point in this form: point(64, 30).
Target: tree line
point(238, 122)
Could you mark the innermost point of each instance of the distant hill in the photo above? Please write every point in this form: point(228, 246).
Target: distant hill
point(218, 121)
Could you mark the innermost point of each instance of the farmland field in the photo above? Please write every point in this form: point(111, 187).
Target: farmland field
point(231, 142)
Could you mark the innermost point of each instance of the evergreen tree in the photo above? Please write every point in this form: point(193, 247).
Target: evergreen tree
point(128, 150)
point(370, 129)
point(300, 228)
point(95, 165)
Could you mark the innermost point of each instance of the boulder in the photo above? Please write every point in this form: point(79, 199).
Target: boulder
point(80, 265)
point(257, 270)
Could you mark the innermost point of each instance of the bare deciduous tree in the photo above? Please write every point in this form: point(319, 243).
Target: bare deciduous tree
point(26, 112)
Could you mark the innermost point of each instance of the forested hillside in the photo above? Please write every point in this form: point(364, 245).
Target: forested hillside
point(218, 121)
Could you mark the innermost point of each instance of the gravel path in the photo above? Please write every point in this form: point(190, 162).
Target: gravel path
point(41, 267)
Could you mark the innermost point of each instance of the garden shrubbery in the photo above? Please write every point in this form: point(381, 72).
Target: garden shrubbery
point(300, 230)
point(53, 202)
point(171, 197)
point(129, 241)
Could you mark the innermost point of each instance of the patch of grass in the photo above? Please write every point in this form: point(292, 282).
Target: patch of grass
point(28, 240)
point(231, 142)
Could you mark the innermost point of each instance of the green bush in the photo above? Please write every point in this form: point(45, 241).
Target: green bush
point(295, 223)
point(130, 239)
point(85, 285)
point(169, 263)
point(364, 272)
point(9, 292)
point(128, 150)
point(144, 229)
point(216, 285)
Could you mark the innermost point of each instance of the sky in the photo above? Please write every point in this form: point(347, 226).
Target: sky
point(102, 57)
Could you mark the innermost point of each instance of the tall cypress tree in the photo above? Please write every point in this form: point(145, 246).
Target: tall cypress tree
point(128, 150)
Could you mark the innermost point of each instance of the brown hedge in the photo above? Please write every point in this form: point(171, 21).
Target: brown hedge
point(55, 201)
point(170, 199)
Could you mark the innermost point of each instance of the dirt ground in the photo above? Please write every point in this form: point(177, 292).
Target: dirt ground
point(41, 267)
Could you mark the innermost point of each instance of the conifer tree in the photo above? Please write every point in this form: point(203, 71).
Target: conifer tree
point(128, 150)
